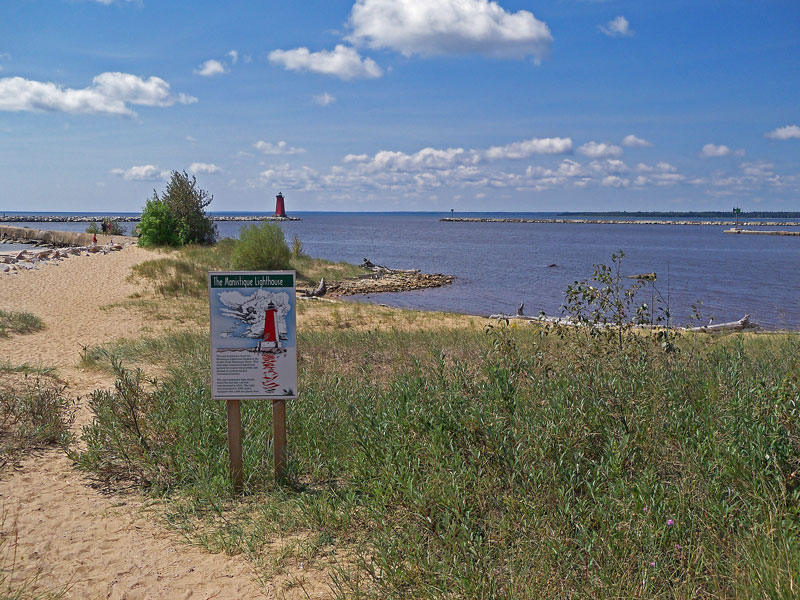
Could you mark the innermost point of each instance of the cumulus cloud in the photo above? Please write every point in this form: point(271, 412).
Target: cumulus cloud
point(109, 94)
point(209, 168)
point(280, 148)
point(210, 68)
point(343, 62)
point(714, 151)
point(142, 173)
point(618, 27)
point(790, 132)
point(324, 99)
point(448, 27)
point(600, 150)
point(527, 148)
point(631, 141)
point(614, 181)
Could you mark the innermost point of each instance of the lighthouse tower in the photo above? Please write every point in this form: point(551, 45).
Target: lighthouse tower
point(280, 209)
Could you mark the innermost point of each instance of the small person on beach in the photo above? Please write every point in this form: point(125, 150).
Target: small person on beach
point(94, 239)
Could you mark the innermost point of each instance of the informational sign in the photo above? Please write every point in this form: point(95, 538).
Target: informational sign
point(253, 336)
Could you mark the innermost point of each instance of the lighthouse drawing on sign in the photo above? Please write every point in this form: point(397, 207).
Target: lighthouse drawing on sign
point(271, 342)
point(280, 208)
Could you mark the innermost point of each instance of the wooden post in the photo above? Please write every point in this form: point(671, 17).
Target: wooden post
point(235, 443)
point(279, 438)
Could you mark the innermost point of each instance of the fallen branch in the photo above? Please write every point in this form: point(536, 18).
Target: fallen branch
point(740, 325)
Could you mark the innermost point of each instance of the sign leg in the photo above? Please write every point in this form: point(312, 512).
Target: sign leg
point(235, 443)
point(279, 438)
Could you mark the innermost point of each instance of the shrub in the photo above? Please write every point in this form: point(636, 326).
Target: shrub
point(93, 228)
point(158, 227)
point(178, 216)
point(113, 227)
point(261, 247)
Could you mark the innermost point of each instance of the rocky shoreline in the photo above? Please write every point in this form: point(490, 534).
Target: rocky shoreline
point(623, 222)
point(27, 260)
point(388, 282)
point(125, 219)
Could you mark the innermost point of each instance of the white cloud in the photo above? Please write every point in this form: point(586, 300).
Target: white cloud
point(790, 132)
point(631, 141)
point(526, 148)
point(199, 167)
point(600, 150)
point(343, 62)
point(109, 94)
point(450, 27)
point(210, 68)
point(279, 148)
point(614, 181)
point(618, 27)
point(324, 99)
point(234, 56)
point(714, 151)
point(665, 167)
point(142, 173)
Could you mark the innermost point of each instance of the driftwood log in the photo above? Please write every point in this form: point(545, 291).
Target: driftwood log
point(741, 325)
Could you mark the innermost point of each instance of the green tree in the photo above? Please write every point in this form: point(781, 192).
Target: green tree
point(261, 247)
point(180, 207)
point(158, 227)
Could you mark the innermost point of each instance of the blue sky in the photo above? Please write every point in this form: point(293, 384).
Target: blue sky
point(402, 104)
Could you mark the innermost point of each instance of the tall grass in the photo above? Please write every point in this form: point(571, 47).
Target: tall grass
point(34, 411)
point(505, 464)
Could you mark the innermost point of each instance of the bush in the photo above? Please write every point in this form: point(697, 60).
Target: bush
point(178, 216)
point(158, 227)
point(93, 228)
point(261, 247)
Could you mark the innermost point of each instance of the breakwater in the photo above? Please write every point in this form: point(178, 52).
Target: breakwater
point(125, 218)
point(752, 232)
point(624, 222)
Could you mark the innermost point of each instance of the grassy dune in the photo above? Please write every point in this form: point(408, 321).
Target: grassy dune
point(506, 463)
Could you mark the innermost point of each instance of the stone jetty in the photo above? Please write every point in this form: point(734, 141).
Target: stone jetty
point(57, 239)
point(757, 232)
point(624, 222)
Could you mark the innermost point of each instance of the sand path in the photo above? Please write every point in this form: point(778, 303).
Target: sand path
point(67, 531)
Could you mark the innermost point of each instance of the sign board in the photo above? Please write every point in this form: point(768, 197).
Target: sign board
point(253, 335)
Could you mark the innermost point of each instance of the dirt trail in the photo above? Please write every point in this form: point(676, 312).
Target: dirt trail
point(68, 532)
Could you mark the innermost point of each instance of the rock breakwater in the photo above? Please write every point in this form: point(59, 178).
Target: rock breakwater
point(125, 218)
point(624, 222)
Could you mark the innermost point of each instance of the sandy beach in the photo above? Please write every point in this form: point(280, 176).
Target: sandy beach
point(60, 526)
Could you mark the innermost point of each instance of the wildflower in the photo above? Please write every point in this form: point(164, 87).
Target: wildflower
point(653, 564)
point(677, 546)
point(670, 522)
point(645, 509)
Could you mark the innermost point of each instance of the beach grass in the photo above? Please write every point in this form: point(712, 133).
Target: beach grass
point(510, 462)
point(19, 323)
point(184, 273)
point(35, 411)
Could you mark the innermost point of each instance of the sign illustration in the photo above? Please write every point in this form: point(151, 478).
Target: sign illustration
point(253, 337)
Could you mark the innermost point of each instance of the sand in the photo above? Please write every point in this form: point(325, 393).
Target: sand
point(67, 531)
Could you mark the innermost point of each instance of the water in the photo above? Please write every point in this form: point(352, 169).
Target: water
point(500, 265)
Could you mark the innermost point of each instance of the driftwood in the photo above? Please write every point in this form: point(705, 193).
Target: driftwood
point(368, 264)
point(740, 325)
point(319, 291)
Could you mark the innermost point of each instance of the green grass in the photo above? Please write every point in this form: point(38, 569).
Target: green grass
point(34, 411)
point(505, 464)
point(20, 323)
point(186, 274)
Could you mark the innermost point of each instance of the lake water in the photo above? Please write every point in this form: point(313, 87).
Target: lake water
point(500, 265)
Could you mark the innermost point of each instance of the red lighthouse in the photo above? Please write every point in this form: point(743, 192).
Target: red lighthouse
point(280, 209)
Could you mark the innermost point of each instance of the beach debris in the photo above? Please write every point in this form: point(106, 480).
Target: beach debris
point(27, 260)
point(643, 276)
point(520, 310)
point(319, 291)
point(740, 325)
point(551, 265)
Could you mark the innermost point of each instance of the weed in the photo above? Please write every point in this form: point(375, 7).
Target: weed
point(20, 323)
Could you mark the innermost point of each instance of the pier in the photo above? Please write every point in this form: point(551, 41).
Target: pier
point(629, 222)
point(757, 232)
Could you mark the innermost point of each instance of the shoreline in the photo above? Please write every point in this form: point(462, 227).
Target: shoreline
point(623, 222)
point(126, 218)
